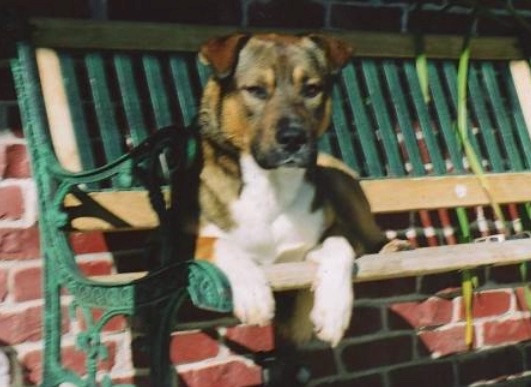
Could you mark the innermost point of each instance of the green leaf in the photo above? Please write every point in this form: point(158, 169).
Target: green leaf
point(527, 291)
point(469, 283)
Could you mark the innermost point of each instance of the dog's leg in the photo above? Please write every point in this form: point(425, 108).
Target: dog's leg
point(251, 294)
point(333, 292)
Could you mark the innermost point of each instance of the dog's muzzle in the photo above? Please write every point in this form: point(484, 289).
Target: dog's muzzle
point(293, 148)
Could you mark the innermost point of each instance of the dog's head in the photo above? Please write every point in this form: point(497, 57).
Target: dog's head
point(270, 94)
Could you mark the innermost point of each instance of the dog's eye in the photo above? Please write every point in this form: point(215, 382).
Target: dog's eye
point(256, 91)
point(312, 90)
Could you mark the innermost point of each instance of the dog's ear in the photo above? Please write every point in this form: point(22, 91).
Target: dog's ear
point(222, 53)
point(337, 51)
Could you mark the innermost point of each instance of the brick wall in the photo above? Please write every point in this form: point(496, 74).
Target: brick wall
point(407, 332)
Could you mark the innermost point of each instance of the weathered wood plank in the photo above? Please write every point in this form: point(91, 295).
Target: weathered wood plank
point(521, 74)
point(418, 262)
point(133, 208)
point(57, 109)
point(374, 267)
point(385, 196)
point(395, 195)
point(119, 35)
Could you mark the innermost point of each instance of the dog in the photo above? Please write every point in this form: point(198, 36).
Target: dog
point(265, 192)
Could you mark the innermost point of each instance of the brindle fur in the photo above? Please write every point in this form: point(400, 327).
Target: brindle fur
point(233, 123)
point(261, 83)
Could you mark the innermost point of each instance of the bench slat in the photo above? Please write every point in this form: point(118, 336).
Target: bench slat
point(395, 195)
point(480, 110)
point(125, 75)
point(374, 267)
point(385, 196)
point(424, 261)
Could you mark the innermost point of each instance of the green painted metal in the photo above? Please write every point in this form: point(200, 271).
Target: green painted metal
point(130, 96)
point(111, 139)
point(366, 133)
point(421, 113)
point(480, 109)
point(183, 88)
point(344, 140)
point(446, 123)
point(515, 115)
point(157, 90)
point(79, 120)
point(203, 71)
point(388, 136)
point(508, 139)
point(403, 119)
point(450, 78)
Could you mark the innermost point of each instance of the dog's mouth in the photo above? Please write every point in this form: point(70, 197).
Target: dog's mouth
point(278, 156)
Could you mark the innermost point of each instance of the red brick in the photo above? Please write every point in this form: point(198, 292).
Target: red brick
point(488, 304)
point(231, 374)
point(116, 323)
point(445, 341)
point(27, 283)
point(429, 313)
point(96, 267)
point(3, 284)
point(3, 160)
point(73, 358)
point(19, 243)
point(253, 338)
point(509, 331)
point(24, 325)
point(20, 326)
point(17, 162)
point(11, 203)
point(88, 242)
point(191, 347)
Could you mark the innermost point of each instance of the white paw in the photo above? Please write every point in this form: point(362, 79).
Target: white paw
point(333, 293)
point(332, 310)
point(252, 298)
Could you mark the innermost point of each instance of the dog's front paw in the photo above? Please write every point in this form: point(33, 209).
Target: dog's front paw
point(333, 293)
point(252, 299)
point(395, 245)
point(332, 310)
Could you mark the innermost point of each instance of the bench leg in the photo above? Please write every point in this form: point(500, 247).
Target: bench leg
point(163, 373)
point(52, 368)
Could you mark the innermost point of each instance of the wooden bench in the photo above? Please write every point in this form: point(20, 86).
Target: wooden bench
point(90, 92)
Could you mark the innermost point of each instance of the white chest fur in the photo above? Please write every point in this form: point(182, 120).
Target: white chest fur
point(274, 216)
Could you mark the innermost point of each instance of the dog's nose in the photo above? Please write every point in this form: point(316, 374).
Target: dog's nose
point(292, 138)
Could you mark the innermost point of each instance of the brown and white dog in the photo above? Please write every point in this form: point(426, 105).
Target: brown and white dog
point(265, 192)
